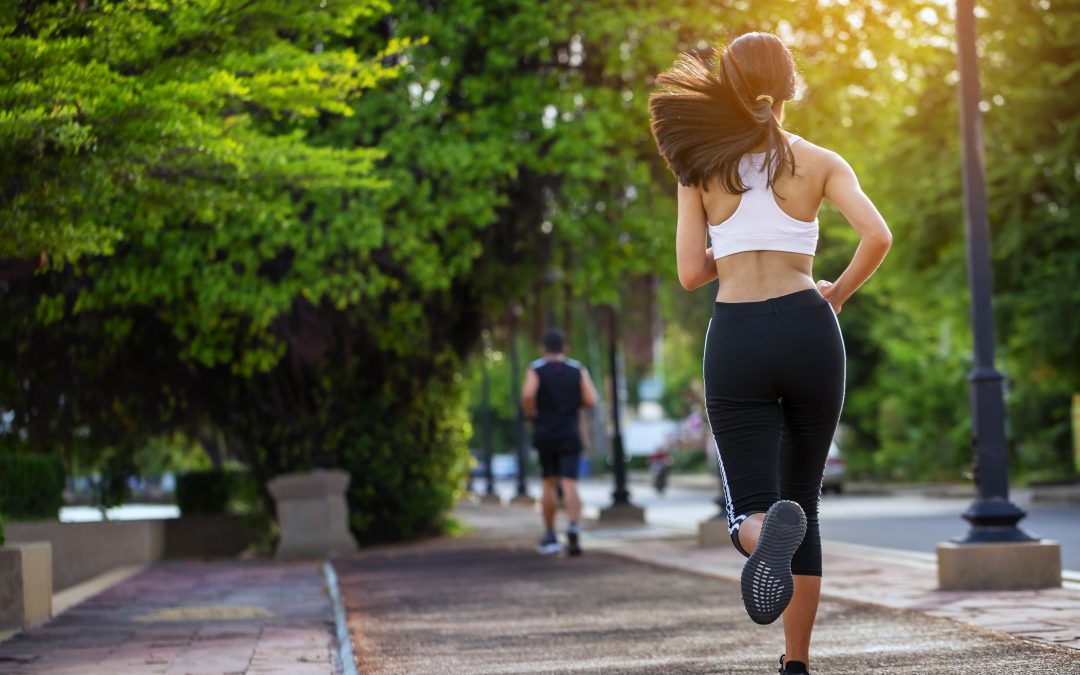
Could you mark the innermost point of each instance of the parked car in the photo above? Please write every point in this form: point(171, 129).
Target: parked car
point(834, 471)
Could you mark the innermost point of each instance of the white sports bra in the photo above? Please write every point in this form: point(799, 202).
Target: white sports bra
point(758, 223)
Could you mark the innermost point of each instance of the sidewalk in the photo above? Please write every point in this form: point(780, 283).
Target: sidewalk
point(256, 618)
point(642, 601)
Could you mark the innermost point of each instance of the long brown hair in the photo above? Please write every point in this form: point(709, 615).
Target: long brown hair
point(708, 112)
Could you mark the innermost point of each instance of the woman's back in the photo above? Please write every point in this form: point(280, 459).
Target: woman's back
point(748, 276)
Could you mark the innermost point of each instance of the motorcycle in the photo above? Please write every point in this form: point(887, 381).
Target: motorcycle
point(659, 466)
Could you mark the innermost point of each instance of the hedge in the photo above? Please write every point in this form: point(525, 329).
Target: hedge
point(31, 486)
point(212, 492)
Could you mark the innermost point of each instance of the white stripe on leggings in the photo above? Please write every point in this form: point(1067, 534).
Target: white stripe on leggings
point(733, 522)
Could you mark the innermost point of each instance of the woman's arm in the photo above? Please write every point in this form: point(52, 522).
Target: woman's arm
point(843, 190)
point(693, 257)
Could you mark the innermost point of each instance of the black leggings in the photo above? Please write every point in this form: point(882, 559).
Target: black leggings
point(774, 386)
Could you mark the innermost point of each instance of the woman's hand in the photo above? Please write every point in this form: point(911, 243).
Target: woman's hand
point(827, 291)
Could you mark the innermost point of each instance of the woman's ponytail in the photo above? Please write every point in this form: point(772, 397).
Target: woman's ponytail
point(707, 115)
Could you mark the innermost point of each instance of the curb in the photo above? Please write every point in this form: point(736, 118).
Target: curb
point(346, 661)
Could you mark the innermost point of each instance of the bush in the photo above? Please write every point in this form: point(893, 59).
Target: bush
point(212, 492)
point(31, 486)
point(405, 475)
point(1, 530)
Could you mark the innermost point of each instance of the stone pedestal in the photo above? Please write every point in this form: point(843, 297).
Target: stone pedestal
point(713, 533)
point(523, 500)
point(312, 513)
point(26, 587)
point(622, 514)
point(1011, 566)
point(492, 499)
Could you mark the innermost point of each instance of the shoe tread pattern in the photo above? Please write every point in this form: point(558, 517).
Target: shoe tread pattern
point(767, 582)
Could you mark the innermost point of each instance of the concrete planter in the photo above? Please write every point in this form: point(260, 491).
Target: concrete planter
point(312, 513)
point(26, 587)
point(82, 551)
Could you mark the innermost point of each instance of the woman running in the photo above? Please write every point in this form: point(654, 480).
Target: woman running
point(774, 357)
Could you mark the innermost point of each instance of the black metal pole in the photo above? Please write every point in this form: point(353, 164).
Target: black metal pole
point(621, 495)
point(992, 516)
point(519, 424)
point(485, 396)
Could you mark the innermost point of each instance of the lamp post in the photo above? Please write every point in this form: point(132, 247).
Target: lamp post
point(995, 553)
point(992, 516)
point(620, 509)
point(490, 496)
point(522, 497)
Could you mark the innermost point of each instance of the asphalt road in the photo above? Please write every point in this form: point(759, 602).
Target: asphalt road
point(908, 522)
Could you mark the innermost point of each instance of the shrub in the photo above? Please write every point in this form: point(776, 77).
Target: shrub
point(1, 529)
point(406, 476)
point(212, 492)
point(31, 486)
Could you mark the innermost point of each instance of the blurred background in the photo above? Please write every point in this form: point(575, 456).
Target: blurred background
point(244, 239)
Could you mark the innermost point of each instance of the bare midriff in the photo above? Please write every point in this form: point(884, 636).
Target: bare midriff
point(753, 276)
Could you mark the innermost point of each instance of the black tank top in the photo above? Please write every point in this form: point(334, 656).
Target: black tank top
point(557, 403)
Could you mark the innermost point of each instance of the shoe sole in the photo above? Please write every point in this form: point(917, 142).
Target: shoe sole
point(547, 549)
point(767, 582)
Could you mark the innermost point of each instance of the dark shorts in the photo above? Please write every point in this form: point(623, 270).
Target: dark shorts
point(561, 460)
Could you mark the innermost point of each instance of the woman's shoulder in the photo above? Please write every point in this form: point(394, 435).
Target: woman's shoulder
point(810, 149)
point(815, 157)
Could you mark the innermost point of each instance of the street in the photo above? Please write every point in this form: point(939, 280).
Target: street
point(909, 522)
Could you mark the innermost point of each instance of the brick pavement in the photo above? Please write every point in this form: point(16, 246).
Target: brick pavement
point(251, 618)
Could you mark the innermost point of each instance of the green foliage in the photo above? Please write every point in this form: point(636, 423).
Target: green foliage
point(1, 529)
point(406, 476)
point(173, 141)
point(31, 486)
point(125, 122)
point(212, 492)
point(111, 484)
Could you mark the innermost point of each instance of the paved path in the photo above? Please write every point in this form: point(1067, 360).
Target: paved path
point(180, 618)
point(892, 578)
point(643, 600)
point(504, 609)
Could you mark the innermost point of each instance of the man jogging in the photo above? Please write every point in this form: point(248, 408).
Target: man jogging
point(556, 387)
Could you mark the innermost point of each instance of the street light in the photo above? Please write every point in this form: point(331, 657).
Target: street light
point(522, 497)
point(620, 509)
point(995, 553)
point(992, 516)
point(490, 496)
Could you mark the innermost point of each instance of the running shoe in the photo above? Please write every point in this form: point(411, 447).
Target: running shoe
point(573, 548)
point(767, 583)
point(548, 544)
